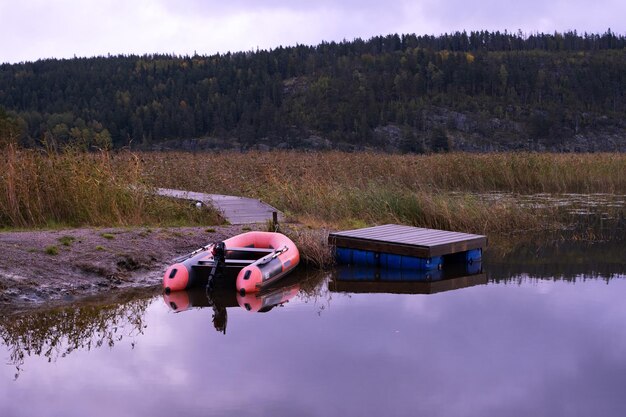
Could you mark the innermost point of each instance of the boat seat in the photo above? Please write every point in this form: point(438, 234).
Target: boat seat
point(229, 263)
point(250, 250)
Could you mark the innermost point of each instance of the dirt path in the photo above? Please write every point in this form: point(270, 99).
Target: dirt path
point(61, 266)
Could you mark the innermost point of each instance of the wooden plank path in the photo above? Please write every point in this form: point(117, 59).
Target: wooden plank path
point(407, 240)
point(236, 210)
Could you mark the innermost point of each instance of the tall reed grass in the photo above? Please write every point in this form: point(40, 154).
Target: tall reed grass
point(322, 190)
point(357, 189)
point(524, 173)
point(75, 188)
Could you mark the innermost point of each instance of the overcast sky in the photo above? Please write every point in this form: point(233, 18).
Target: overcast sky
point(33, 29)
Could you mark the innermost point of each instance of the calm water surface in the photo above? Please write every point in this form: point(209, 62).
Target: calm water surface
point(540, 333)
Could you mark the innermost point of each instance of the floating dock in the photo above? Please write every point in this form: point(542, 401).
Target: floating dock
point(404, 247)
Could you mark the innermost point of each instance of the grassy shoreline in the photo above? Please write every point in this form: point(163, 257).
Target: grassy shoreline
point(320, 190)
point(69, 189)
point(335, 189)
point(524, 173)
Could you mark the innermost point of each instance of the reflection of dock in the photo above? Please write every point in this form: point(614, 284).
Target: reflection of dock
point(372, 280)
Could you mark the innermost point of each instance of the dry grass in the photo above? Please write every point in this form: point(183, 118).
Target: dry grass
point(73, 188)
point(313, 246)
point(322, 190)
point(335, 189)
point(257, 173)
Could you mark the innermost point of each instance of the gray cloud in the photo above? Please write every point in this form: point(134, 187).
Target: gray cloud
point(213, 6)
point(530, 15)
point(33, 29)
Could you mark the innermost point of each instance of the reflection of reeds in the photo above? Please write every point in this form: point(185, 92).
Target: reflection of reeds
point(76, 188)
point(312, 283)
point(552, 259)
point(55, 333)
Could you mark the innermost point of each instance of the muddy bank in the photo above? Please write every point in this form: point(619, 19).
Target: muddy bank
point(61, 266)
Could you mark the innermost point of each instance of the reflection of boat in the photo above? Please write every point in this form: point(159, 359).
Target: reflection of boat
point(259, 258)
point(220, 300)
point(373, 280)
point(179, 301)
point(264, 302)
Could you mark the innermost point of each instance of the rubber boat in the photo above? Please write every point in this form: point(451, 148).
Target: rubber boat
point(261, 259)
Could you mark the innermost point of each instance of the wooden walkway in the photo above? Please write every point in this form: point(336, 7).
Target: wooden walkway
point(407, 240)
point(236, 210)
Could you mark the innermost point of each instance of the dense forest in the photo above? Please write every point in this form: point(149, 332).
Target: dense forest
point(469, 91)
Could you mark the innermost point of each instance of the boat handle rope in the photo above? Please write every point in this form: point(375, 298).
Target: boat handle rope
point(189, 255)
point(272, 256)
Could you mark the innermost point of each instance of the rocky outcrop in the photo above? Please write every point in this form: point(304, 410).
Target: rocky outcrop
point(438, 130)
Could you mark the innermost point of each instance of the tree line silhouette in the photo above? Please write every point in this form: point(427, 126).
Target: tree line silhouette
point(551, 86)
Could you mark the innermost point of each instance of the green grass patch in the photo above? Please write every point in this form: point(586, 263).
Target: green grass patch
point(66, 240)
point(51, 250)
point(109, 236)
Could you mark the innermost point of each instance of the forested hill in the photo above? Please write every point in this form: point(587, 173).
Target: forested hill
point(468, 91)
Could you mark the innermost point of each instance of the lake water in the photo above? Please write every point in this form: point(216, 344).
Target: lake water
point(541, 331)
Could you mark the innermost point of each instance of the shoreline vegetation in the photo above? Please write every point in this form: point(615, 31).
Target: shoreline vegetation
point(447, 191)
point(319, 190)
point(45, 188)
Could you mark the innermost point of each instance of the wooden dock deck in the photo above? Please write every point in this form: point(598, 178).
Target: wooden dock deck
point(407, 241)
point(236, 210)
